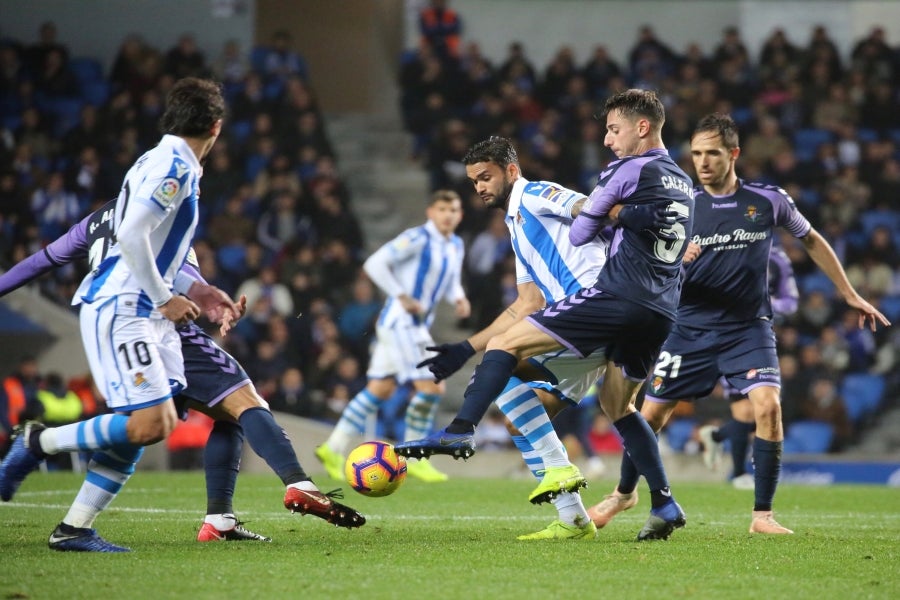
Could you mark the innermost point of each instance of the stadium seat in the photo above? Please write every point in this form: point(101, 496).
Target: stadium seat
point(862, 394)
point(807, 142)
point(890, 306)
point(66, 113)
point(258, 58)
point(872, 220)
point(95, 92)
point(808, 437)
point(86, 70)
point(678, 433)
point(864, 134)
point(816, 282)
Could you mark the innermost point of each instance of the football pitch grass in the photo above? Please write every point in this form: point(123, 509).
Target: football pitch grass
point(452, 540)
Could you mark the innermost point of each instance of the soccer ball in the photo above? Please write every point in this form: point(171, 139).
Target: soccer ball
point(374, 469)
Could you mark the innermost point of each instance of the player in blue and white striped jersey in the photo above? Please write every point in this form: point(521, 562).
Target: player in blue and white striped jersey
point(416, 270)
point(627, 312)
point(129, 306)
point(539, 216)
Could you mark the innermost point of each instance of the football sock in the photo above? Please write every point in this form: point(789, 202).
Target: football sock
point(642, 446)
point(353, 420)
point(628, 475)
point(519, 403)
point(739, 435)
point(98, 433)
point(489, 381)
point(767, 463)
point(221, 463)
point(107, 472)
point(272, 444)
point(571, 508)
point(532, 459)
point(420, 415)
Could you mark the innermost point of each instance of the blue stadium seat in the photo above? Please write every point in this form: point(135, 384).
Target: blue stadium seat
point(258, 58)
point(66, 113)
point(807, 142)
point(678, 433)
point(816, 282)
point(890, 306)
point(808, 437)
point(867, 135)
point(862, 394)
point(872, 220)
point(86, 70)
point(95, 92)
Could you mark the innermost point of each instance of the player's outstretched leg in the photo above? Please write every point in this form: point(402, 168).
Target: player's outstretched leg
point(332, 461)
point(457, 445)
point(662, 522)
point(306, 499)
point(19, 461)
point(611, 505)
point(66, 538)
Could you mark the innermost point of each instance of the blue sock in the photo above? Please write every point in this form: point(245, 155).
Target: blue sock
point(628, 475)
point(738, 433)
point(643, 448)
point(490, 378)
point(221, 462)
point(767, 461)
point(272, 444)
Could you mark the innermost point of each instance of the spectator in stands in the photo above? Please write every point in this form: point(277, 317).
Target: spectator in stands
point(232, 65)
point(266, 287)
point(54, 207)
point(185, 59)
point(356, 318)
point(823, 403)
point(441, 29)
point(36, 54)
point(282, 61)
point(58, 404)
point(18, 391)
point(292, 396)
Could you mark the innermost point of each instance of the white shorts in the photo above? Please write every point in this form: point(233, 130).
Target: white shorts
point(397, 351)
point(573, 375)
point(135, 361)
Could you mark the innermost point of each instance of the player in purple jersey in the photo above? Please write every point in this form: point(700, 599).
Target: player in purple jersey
point(217, 385)
point(628, 311)
point(724, 325)
point(785, 297)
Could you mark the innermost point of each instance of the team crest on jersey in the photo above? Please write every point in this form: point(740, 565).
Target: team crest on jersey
point(140, 382)
point(519, 218)
point(752, 214)
point(657, 384)
point(166, 191)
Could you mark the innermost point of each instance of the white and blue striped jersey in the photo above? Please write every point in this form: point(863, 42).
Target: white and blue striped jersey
point(158, 203)
point(421, 263)
point(539, 217)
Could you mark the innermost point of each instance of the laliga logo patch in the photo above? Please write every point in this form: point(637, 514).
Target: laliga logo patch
point(751, 374)
point(166, 191)
point(752, 214)
point(657, 384)
point(140, 382)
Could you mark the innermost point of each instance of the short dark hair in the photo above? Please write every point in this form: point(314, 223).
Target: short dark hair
point(193, 106)
point(721, 124)
point(495, 149)
point(636, 102)
point(444, 196)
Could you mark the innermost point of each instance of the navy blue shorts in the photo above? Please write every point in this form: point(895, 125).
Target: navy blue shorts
point(211, 373)
point(589, 320)
point(693, 359)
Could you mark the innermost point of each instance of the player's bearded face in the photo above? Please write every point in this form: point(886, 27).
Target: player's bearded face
point(492, 183)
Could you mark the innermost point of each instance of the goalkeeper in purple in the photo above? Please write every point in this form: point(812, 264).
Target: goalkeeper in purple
point(724, 325)
point(628, 311)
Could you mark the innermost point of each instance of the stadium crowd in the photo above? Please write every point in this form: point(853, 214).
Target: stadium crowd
point(277, 221)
